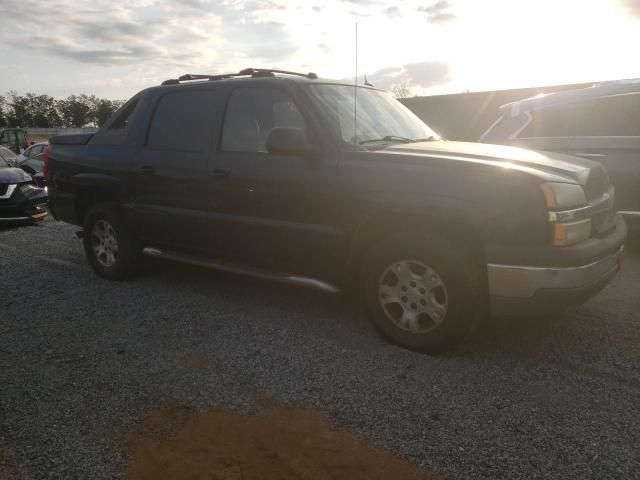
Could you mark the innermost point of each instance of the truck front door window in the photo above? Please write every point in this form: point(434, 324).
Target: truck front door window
point(252, 113)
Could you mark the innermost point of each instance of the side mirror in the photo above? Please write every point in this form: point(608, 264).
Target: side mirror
point(288, 141)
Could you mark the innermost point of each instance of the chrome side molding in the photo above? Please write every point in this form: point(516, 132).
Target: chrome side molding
point(289, 279)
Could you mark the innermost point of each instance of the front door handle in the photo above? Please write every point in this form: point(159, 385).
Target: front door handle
point(147, 170)
point(219, 173)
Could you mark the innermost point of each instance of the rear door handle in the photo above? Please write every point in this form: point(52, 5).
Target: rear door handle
point(147, 170)
point(219, 173)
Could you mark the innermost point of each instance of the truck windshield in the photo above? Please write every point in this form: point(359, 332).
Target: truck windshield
point(381, 120)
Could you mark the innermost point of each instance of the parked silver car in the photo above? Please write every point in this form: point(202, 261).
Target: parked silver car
point(32, 156)
point(601, 123)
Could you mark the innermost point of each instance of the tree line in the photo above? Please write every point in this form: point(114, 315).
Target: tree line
point(44, 111)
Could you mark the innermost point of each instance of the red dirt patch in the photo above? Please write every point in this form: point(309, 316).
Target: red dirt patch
point(196, 364)
point(9, 468)
point(282, 444)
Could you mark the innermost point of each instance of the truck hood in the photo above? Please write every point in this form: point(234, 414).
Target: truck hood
point(13, 175)
point(549, 166)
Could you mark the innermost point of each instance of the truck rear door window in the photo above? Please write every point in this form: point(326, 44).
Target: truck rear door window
point(183, 122)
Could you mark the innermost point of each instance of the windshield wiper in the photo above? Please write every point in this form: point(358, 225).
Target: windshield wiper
point(387, 138)
point(396, 138)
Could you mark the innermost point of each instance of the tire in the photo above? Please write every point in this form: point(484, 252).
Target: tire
point(423, 292)
point(110, 248)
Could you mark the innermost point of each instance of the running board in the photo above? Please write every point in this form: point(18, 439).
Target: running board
point(251, 272)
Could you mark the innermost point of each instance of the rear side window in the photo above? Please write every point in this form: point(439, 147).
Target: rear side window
point(549, 122)
point(251, 115)
point(183, 122)
point(9, 139)
point(122, 119)
point(615, 116)
point(117, 128)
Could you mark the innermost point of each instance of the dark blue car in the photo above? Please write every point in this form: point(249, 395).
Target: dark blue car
point(21, 199)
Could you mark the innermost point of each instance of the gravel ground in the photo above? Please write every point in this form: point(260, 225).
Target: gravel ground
point(82, 360)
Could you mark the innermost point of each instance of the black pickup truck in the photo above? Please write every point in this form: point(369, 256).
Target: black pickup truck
point(277, 175)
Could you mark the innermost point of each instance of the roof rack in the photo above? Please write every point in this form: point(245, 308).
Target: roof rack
point(247, 72)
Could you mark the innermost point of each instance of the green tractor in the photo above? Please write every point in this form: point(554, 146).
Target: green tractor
point(14, 139)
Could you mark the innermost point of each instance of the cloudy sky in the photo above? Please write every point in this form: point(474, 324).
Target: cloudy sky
point(114, 48)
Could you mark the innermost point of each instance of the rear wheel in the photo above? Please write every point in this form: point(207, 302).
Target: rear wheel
point(110, 248)
point(422, 292)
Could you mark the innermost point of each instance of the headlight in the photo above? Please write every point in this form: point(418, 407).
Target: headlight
point(568, 207)
point(27, 188)
point(569, 233)
point(563, 195)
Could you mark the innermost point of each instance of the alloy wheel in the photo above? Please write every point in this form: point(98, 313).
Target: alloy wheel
point(104, 243)
point(413, 296)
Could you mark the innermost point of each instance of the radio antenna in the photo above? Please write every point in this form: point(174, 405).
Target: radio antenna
point(355, 98)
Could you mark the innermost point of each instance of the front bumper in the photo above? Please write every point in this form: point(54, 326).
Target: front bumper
point(20, 206)
point(541, 290)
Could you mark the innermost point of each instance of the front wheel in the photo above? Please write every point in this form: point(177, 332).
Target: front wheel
point(111, 250)
point(422, 292)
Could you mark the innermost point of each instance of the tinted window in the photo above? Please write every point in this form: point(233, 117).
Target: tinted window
point(121, 121)
point(35, 150)
point(617, 116)
point(609, 116)
point(549, 122)
point(183, 121)
point(116, 130)
point(252, 113)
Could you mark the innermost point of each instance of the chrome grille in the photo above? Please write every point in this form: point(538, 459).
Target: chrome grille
point(603, 218)
point(597, 184)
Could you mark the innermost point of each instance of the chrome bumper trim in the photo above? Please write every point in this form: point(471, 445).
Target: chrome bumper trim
point(256, 273)
point(14, 219)
point(524, 282)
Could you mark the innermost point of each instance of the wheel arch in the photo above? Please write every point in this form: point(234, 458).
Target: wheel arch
point(92, 189)
point(458, 228)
